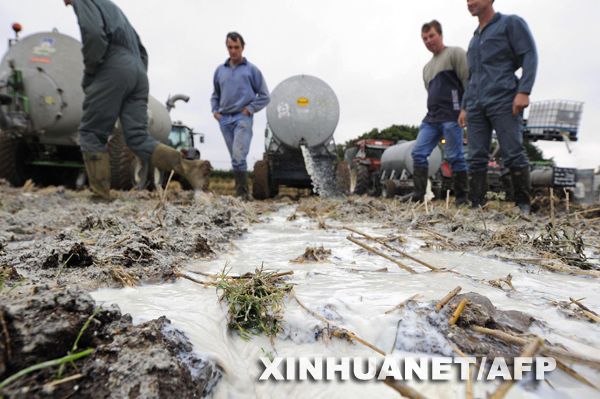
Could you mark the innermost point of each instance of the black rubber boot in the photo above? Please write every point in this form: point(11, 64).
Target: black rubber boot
point(460, 186)
point(420, 177)
point(520, 183)
point(478, 188)
point(241, 185)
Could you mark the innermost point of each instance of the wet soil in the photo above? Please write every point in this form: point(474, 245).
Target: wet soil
point(59, 236)
point(149, 360)
point(567, 242)
point(56, 245)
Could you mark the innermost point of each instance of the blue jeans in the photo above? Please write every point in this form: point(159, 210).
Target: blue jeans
point(508, 127)
point(237, 132)
point(430, 135)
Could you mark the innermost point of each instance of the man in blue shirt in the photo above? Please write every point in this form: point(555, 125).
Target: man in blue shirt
point(445, 77)
point(239, 92)
point(495, 97)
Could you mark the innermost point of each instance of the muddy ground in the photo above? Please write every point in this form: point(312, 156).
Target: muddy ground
point(56, 245)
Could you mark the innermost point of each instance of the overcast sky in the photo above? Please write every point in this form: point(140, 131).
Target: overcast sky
point(369, 52)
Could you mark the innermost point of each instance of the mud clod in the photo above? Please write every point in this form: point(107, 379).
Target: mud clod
point(78, 256)
point(481, 312)
point(313, 254)
point(43, 325)
point(51, 261)
point(202, 248)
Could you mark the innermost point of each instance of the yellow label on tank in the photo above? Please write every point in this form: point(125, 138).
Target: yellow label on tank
point(49, 100)
point(302, 101)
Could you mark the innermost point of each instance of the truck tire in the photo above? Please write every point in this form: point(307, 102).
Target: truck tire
point(260, 186)
point(375, 185)
point(362, 180)
point(13, 153)
point(122, 163)
point(389, 189)
point(342, 178)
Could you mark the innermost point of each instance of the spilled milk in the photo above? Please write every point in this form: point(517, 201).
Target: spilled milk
point(351, 290)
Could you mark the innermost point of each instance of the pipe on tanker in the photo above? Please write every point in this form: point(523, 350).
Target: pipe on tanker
point(174, 98)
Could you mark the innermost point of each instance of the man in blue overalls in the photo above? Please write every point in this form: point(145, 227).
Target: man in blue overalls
point(495, 98)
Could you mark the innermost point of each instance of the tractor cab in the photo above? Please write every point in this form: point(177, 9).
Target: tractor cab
point(181, 138)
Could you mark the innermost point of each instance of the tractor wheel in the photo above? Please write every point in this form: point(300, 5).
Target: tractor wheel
point(122, 163)
point(362, 180)
point(342, 178)
point(389, 189)
point(260, 186)
point(13, 153)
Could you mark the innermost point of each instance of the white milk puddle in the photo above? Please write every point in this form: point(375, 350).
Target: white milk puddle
point(359, 301)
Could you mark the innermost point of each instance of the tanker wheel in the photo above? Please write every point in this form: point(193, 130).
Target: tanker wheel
point(260, 186)
point(342, 178)
point(13, 153)
point(273, 188)
point(375, 185)
point(122, 163)
point(389, 189)
point(362, 180)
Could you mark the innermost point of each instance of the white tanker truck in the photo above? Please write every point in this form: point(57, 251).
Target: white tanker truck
point(397, 169)
point(40, 109)
point(299, 146)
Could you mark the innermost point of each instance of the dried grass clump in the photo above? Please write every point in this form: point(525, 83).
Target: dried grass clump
point(509, 238)
point(125, 278)
point(498, 283)
point(565, 243)
point(255, 302)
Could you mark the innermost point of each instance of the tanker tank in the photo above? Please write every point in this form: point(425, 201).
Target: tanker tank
point(40, 86)
point(299, 146)
point(397, 169)
point(303, 110)
point(398, 158)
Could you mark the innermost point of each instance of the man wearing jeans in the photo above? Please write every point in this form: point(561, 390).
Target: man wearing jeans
point(239, 92)
point(445, 76)
point(495, 97)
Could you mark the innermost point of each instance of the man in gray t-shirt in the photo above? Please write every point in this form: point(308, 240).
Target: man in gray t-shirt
point(444, 76)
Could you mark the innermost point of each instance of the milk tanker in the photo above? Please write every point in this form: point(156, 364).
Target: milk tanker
point(301, 119)
point(397, 169)
point(41, 107)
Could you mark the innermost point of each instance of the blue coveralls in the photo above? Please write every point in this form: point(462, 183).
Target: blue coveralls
point(495, 53)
